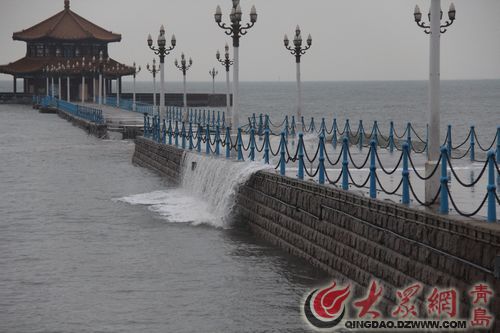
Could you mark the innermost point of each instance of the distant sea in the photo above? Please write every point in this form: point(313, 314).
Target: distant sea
point(463, 103)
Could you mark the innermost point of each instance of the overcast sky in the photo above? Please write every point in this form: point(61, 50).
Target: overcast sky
point(352, 39)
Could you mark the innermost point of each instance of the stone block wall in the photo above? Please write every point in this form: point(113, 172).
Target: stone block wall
point(361, 239)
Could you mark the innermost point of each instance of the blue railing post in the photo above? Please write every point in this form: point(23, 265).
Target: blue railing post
point(213, 118)
point(300, 173)
point(164, 137)
point(252, 144)
point(334, 136)
point(373, 169)
point(492, 211)
point(498, 153)
point(347, 129)
point(207, 140)
point(169, 132)
point(176, 134)
point(217, 140)
point(286, 127)
point(191, 135)
point(266, 121)
point(444, 208)
point(361, 134)
point(345, 163)
point(154, 128)
point(183, 136)
point(303, 125)
point(321, 166)
point(293, 126)
point(375, 131)
point(261, 124)
point(145, 126)
point(254, 120)
point(282, 155)
point(312, 127)
point(323, 125)
point(190, 116)
point(406, 175)
point(448, 139)
point(239, 144)
point(223, 119)
point(198, 138)
point(228, 142)
point(472, 143)
point(408, 135)
point(204, 117)
point(266, 146)
point(218, 118)
point(391, 137)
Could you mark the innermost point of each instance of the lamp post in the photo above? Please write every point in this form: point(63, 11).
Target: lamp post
point(184, 67)
point(213, 73)
point(162, 51)
point(298, 51)
point(153, 70)
point(434, 29)
point(226, 62)
point(235, 30)
point(136, 71)
point(68, 69)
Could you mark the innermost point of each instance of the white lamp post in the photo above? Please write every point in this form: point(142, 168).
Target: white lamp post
point(226, 62)
point(434, 29)
point(298, 51)
point(153, 70)
point(162, 51)
point(184, 67)
point(235, 30)
point(136, 71)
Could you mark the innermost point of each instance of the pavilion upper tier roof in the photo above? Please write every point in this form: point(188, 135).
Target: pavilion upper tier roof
point(68, 26)
point(63, 66)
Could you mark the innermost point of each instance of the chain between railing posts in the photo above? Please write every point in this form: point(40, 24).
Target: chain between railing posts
point(444, 207)
point(472, 143)
point(300, 173)
point(321, 166)
point(391, 137)
point(183, 136)
point(448, 139)
point(217, 139)
point(282, 155)
point(207, 140)
point(164, 138)
point(334, 136)
point(191, 135)
point(198, 138)
point(228, 142)
point(345, 163)
point(252, 145)
point(492, 211)
point(373, 169)
point(266, 146)
point(239, 144)
point(406, 175)
point(361, 134)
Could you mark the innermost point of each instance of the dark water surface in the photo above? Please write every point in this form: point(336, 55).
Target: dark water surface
point(73, 259)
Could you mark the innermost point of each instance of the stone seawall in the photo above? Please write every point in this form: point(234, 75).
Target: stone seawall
point(98, 130)
point(346, 233)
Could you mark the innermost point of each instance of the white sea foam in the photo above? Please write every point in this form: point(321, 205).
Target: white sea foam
point(207, 194)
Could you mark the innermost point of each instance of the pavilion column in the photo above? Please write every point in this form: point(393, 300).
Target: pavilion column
point(118, 90)
point(68, 93)
point(120, 85)
point(15, 85)
point(105, 89)
point(83, 89)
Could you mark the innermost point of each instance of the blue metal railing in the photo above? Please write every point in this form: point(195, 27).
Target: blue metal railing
point(84, 112)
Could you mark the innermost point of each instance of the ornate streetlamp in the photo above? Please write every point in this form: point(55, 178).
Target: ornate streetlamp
point(184, 67)
point(226, 62)
point(162, 51)
point(298, 51)
point(153, 70)
point(213, 73)
point(434, 29)
point(136, 71)
point(235, 30)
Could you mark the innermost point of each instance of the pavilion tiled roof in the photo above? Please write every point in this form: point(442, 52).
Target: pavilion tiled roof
point(66, 25)
point(35, 65)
